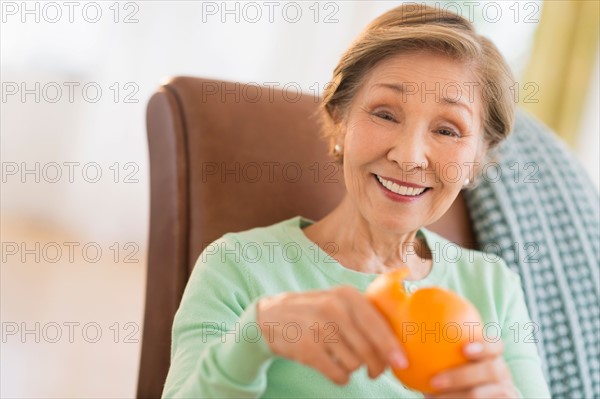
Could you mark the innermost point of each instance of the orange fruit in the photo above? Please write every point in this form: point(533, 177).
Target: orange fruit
point(432, 324)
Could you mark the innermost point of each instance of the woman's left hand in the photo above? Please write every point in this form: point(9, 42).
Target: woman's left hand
point(486, 376)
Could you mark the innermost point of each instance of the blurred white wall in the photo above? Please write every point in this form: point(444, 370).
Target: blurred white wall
point(588, 143)
point(164, 38)
point(170, 38)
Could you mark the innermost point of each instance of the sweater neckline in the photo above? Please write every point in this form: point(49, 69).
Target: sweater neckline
point(343, 275)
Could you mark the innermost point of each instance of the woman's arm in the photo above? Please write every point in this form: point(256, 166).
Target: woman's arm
point(217, 348)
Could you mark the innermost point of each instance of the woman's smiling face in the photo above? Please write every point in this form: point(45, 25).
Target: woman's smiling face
point(417, 118)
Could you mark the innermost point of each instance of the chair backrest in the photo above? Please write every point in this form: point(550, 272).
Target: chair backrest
point(227, 157)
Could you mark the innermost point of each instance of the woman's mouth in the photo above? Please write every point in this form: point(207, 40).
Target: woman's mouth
point(399, 192)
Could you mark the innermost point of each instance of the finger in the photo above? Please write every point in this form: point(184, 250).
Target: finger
point(344, 356)
point(343, 335)
point(495, 391)
point(347, 333)
point(330, 368)
point(375, 328)
point(363, 350)
point(370, 335)
point(472, 375)
point(483, 349)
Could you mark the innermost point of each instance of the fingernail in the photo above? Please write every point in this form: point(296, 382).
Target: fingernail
point(398, 360)
point(474, 348)
point(440, 382)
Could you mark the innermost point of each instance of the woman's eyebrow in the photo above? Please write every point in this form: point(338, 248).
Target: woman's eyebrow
point(402, 89)
point(457, 103)
point(399, 87)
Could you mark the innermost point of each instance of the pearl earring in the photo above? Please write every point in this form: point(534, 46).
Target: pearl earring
point(337, 148)
point(467, 181)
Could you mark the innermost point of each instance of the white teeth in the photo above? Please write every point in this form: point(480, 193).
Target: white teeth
point(402, 190)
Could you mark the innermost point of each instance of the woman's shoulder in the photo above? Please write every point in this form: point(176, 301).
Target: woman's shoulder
point(278, 231)
point(247, 255)
point(255, 245)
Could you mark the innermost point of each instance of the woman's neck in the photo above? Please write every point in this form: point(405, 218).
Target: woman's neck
point(367, 248)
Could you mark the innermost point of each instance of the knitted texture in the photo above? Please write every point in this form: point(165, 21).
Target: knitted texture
point(538, 209)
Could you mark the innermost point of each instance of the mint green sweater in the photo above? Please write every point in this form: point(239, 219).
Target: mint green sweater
point(218, 351)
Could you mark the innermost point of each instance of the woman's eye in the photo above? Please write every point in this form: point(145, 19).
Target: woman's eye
point(384, 115)
point(449, 132)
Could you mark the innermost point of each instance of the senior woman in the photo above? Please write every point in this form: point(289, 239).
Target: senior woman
point(278, 311)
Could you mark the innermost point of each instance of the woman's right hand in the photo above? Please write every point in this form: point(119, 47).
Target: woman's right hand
point(334, 331)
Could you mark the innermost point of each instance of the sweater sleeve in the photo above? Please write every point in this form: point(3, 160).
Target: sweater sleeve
point(519, 336)
point(217, 349)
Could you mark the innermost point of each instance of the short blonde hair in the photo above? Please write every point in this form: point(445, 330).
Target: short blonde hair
point(410, 28)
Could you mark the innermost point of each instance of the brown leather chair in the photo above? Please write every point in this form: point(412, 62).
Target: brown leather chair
point(227, 157)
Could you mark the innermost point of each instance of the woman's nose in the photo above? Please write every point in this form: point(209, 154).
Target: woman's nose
point(409, 150)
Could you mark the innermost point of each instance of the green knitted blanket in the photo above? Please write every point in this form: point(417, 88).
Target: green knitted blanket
point(538, 207)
